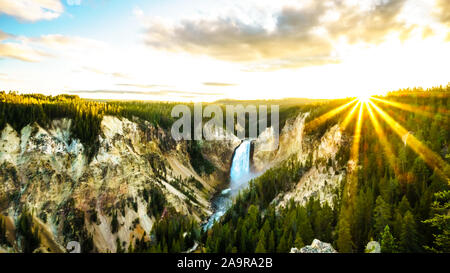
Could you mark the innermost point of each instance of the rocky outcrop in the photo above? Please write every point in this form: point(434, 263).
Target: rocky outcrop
point(373, 247)
point(218, 148)
point(322, 180)
point(266, 152)
point(319, 183)
point(316, 247)
point(71, 196)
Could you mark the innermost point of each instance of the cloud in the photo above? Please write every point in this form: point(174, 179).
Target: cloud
point(19, 50)
point(4, 76)
point(73, 2)
point(36, 49)
point(65, 43)
point(220, 84)
point(443, 13)
point(427, 32)
point(101, 72)
point(4, 35)
point(301, 36)
point(370, 25)
point(174, 93)
point(146, 86)
point(138, 12)
point(234, 40)
point(32, 10)
point(274, 65)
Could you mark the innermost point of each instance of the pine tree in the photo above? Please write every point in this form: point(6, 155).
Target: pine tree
point(344, 241)
point(261, 246)
point(2, 230)
point(298, 241)
point(441, 222)
point(409, 237)
point(271, 243)
point(283, 245)
point(388, 244)
point(382, 215)
point(119, 248)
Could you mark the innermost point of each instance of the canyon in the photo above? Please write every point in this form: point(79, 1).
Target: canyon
point(110, 198)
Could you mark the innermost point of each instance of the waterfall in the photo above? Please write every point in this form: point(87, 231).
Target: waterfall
point(240, 167)
point(239, 176)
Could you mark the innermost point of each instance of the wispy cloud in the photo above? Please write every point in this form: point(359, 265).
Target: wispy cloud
point(443, 11)
point(32, 10)
point(73, 2)
point(19, 50)
point(444, 15)
point(151, 93)
point(4, 35)
point(301, 36)
point(105, 73)
point(36, 49)
point(146, 86)
point(219, 84)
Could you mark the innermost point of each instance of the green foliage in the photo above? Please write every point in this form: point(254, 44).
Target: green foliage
point(74, 225)
point(28, 231)
point(409, 236)
point(388, 243)
point(273, 232)
point(173, 234)
point(382, 215)
point(114, 223)
point(261, 246)
point(157, 113)
point(156, 203)
point(409, 196)
point(384, 195)
point(441, 222)
point(198, 162)
point(21, 110)
point(344, 241)
point(3, 239)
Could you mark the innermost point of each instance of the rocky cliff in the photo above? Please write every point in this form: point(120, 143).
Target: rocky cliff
point(324, 177)
point(109, 198)
point(138, 173)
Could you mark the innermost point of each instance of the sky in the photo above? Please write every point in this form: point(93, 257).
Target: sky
point(203, 50)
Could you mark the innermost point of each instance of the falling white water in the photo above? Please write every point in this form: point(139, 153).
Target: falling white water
point(239, 176)
point(240, 167)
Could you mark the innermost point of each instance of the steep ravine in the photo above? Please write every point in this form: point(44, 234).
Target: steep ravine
point(72, 198)
point(111, 198)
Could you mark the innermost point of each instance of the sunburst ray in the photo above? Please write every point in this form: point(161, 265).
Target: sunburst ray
point(354, 152)
point(349, 116)
point(433, 160)
point(383, 139)
point(406, 107)
point(319, 120)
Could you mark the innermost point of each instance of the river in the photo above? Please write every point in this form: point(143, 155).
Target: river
point(240, 175)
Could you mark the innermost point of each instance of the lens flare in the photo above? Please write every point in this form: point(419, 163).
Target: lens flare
point(433, 160)
point(383, 139)
point(349, 116)
point(316, 122)
point(406, 107)
point(354, 153)
point(364, 98)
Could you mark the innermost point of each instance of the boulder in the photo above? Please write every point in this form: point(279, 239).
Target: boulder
point(373, 247)
point(316, 247)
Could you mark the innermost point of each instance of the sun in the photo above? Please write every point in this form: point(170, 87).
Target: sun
point(356, 108)
point(364, 98)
